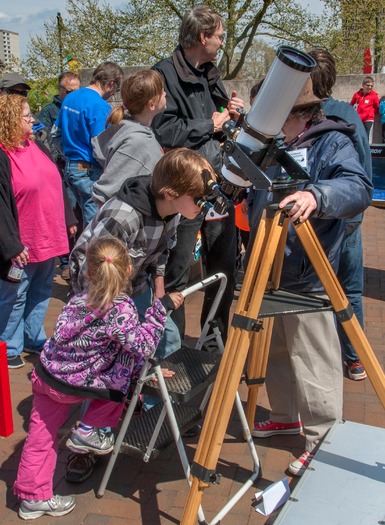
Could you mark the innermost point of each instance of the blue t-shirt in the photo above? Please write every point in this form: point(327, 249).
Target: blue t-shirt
point(83, 115)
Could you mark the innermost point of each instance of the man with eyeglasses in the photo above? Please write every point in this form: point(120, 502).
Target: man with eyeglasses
point(197, 107)
point(366, 102)
point(14, 84)
point(68, 82)
point(82, 116)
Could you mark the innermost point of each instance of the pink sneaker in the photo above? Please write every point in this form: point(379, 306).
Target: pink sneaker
point(298, 467)
point(264, 429)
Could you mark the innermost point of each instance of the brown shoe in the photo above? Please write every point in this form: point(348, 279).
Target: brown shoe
point(65, 274)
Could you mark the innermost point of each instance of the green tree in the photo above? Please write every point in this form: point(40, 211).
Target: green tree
point(258, 60)
point(144, 31)
point(358, 26)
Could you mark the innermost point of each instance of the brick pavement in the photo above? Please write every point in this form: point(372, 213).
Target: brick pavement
point(155, 493)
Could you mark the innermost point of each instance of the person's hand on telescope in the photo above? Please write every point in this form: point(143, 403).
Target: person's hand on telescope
point(234, 104)
point(304, 203)
point(219, 118)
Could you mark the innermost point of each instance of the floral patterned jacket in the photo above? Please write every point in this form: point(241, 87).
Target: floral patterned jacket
point(99, 354)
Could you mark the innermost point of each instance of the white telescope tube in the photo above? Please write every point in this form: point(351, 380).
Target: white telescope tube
point(271, 107)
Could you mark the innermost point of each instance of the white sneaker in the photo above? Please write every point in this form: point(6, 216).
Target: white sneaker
point(97, 442)
point(298, 467)
point(55, 506)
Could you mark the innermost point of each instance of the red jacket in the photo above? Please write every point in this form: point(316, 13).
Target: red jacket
point(367, 105)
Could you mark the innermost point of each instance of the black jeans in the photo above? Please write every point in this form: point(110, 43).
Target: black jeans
point(218, 252)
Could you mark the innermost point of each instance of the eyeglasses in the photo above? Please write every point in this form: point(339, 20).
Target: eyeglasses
point(28, 117)
point(221, 37)
point(21, 92)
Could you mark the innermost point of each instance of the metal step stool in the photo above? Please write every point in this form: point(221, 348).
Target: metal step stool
point(195, 372)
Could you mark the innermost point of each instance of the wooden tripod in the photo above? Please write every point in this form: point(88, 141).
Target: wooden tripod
point(266, 259)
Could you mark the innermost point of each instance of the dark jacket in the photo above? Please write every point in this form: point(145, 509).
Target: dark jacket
point(49, 113)
point(192, 97)
point(342, 189)
point(337, 109)
point(10, 243)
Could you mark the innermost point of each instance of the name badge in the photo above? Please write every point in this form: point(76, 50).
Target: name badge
point(299, 155)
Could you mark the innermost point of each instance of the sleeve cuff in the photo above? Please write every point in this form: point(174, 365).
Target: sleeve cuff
point(167, 302)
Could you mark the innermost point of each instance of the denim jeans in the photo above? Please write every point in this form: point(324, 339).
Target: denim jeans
point(350, 275)
point(80, 177)
point(169, 343)
point(23, 307)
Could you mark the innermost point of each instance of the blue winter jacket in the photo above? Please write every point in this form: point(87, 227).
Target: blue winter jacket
point(342, 189)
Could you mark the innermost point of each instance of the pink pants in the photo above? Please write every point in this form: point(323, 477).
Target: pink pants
point(50, 410)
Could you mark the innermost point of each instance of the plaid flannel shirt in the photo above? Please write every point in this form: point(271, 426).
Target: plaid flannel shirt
point(148, 240)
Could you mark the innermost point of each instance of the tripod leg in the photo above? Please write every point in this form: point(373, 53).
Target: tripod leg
point(230, 370)
point(260, 342)
point(342, 307)
point(256, 367)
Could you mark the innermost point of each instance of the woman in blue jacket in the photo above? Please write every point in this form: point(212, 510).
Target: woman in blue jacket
point(304, 376)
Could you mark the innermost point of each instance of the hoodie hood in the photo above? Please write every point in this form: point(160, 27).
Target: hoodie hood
point(328, 124)
point(137, 193)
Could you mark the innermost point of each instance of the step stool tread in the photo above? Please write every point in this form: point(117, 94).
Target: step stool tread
point(141, 429)
point(194, 371)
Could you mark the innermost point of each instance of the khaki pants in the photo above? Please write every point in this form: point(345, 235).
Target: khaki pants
point(304, 377)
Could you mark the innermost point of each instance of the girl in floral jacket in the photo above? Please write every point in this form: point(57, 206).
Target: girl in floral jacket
point(98, 347)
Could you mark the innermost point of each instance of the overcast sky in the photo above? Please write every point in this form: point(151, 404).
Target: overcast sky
point(27, 17)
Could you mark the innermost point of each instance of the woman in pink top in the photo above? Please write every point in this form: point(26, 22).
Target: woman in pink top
point(33, 229)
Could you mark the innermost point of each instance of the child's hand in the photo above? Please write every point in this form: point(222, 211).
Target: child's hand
point(177, 298)
point(166, 373)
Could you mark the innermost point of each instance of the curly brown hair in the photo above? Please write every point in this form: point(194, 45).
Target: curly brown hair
point(11, 125)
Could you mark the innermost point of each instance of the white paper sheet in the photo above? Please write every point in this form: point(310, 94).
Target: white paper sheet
point(273, 497)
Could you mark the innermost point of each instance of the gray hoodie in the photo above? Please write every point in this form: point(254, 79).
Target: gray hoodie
point(124, 150)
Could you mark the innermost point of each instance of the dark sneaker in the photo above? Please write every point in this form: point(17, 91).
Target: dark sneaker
point(56, 506)
point(298, 467)
point(65, 274)
point(138, 406)
point(192, 431)
point(356, 370)
point(15, 361)
point(264, 429)
point(79, 467)
point(97, 442)
point(36, 351)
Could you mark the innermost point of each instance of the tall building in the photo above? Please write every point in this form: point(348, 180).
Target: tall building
point(9, 46)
